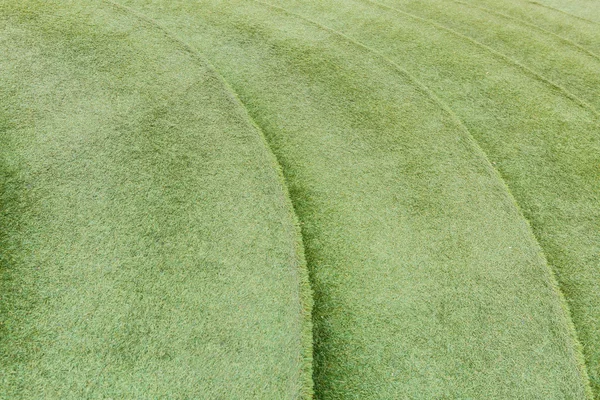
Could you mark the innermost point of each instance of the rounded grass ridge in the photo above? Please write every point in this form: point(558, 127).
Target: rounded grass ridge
point(153, 250)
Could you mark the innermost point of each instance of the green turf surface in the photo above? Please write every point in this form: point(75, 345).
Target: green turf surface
point(149, 248)
point(573, 67)
point(585, 10)
point(441, 157)
point(540, 135)
point(422, 280)
point(566, 27)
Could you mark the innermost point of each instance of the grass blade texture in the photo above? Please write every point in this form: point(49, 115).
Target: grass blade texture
point(543, 140)
point(585, 34)
point(427, 280)
point(148, 245)
point(166, 166)
point(586, 10)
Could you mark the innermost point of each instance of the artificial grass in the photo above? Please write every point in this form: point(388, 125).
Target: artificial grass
point(427, 280)
point(148, 244)
point(543, 141)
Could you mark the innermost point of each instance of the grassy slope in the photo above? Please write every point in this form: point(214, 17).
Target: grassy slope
point(545, 145)
point(149, 249)
point(427, 280)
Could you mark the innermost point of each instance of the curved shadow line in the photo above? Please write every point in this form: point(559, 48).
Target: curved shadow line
point(563, 12)
point(503, 56)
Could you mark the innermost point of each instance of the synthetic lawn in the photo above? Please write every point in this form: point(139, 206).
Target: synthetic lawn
point(428, 282)
point(149, 248)
point(441, 156)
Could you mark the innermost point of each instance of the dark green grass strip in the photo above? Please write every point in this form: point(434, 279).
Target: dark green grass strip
point(149, 248)
point(427, 280)
point(545, 146)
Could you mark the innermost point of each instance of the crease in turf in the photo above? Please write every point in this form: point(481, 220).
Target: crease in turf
point(582, 103)
point(293, 260)
point(536, 3)
point(444, 106)
point(551, 56)
point(584, 364)
point(534, 26)
point(303, 275)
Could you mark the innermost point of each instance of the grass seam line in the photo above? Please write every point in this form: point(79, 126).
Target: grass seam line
point(534, 26)
point(563, 12)
point(577, 346)
point(582, 103)
point(304, 289)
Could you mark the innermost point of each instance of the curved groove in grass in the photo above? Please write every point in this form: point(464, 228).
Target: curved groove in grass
point(305, 299)
point(563, 12)
point(293, 375)
point(555, 86)
point(529, 24)
point(444, 106)
point(329, 14)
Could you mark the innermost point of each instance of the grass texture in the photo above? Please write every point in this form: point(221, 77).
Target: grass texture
point(440, 156)
point(539, 127)
point(149, 248)
point(585, 10)
point(427, 280)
